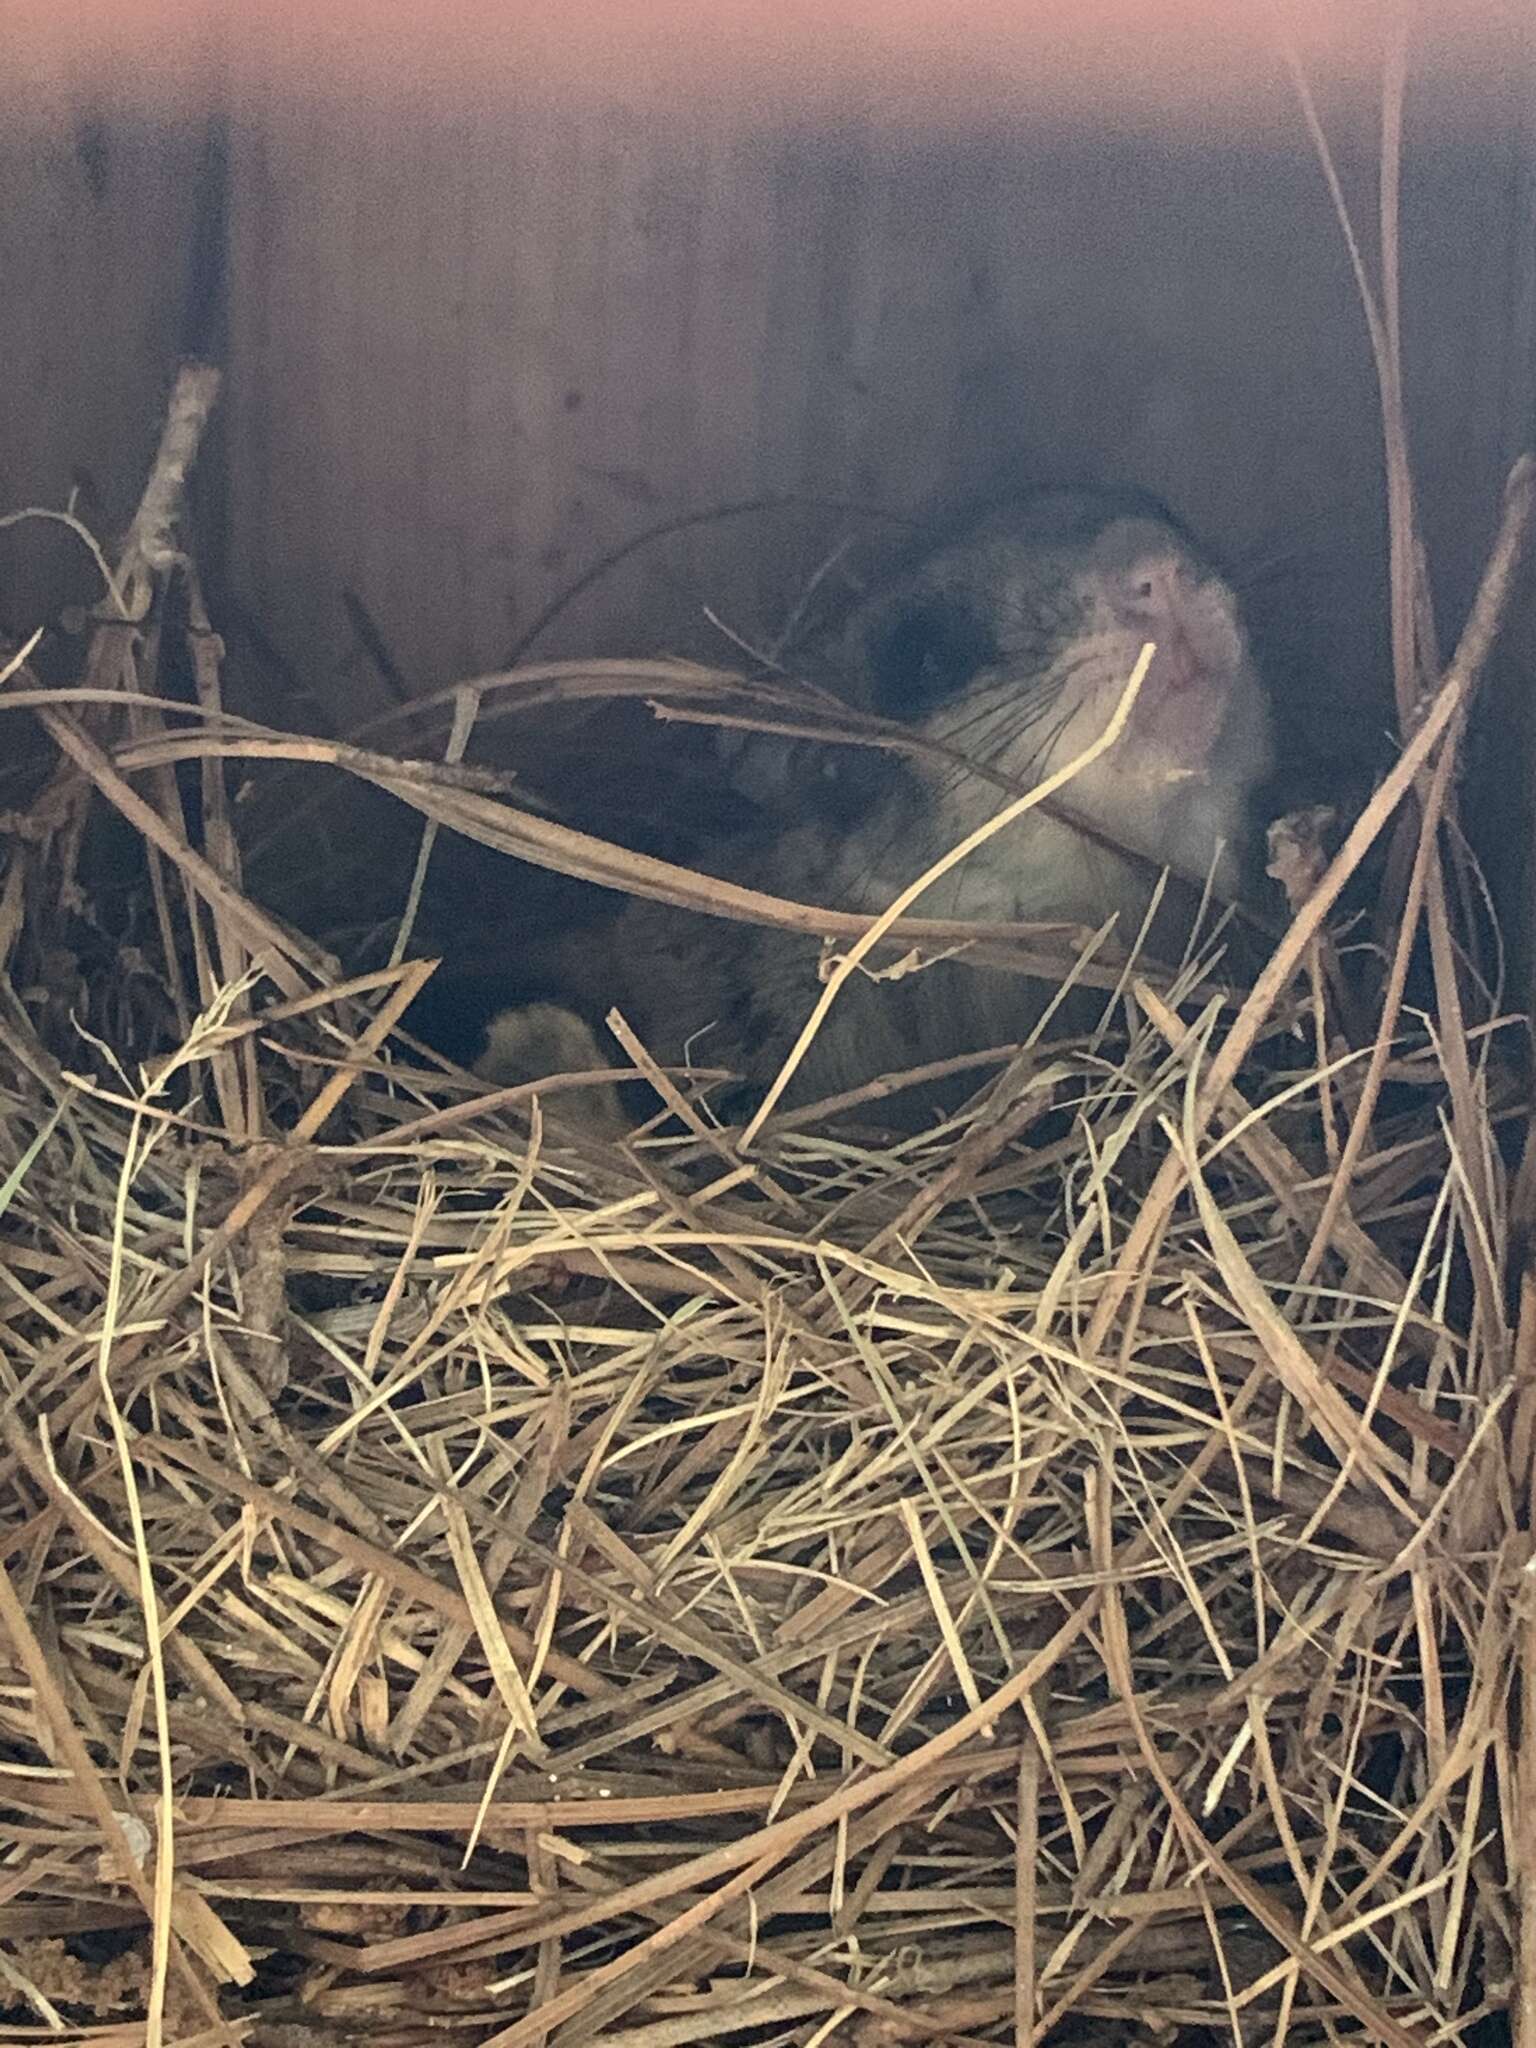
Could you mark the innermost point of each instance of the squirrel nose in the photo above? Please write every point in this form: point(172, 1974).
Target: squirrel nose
point(1150, 591)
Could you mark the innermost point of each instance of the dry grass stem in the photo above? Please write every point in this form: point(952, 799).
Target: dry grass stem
point(1061, 1574)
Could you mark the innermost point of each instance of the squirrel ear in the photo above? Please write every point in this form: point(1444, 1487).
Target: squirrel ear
point(921, 651)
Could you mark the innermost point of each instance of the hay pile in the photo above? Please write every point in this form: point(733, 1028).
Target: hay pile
point(1058, 1576)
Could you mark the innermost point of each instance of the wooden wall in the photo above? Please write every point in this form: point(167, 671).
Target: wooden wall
point(97, 229)
point(478, 340)
point(471, 355)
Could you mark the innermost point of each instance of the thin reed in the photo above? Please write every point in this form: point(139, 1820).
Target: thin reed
point(1058, 1575)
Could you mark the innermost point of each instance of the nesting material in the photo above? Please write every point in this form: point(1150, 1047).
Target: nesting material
point(458, 1579)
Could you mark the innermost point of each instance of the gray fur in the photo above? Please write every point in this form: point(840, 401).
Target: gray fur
point(1011, 642)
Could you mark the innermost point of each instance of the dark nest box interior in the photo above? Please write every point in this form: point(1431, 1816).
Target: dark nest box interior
point(940, 1446)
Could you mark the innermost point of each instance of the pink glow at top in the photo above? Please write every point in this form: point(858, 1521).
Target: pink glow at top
point(1211, 64)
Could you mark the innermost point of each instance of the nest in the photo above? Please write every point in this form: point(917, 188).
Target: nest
point(1054, 1576)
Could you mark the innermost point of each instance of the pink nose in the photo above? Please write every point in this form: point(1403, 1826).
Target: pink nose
point(1149, 593)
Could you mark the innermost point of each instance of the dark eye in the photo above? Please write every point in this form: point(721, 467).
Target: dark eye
point(920, 652)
